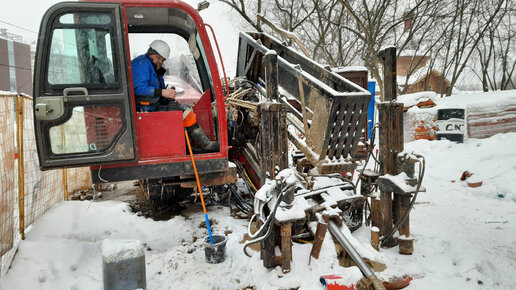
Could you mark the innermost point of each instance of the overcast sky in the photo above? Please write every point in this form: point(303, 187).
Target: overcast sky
point(26, 14)
point(24, 17)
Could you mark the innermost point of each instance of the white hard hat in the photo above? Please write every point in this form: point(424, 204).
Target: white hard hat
point(160, 47)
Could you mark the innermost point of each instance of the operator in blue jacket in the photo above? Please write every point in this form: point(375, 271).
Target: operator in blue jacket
point(148, 71)
point(151, 94)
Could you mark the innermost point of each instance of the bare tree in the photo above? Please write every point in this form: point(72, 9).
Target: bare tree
point(468, 25)
point(448, 34)
point(377, 25)
point(285, 14)
point(330, 45)
point(418, 40)
point(497, 59)
point(291, 14)
point(486, 55)
point(507, 43)
point(248, 9)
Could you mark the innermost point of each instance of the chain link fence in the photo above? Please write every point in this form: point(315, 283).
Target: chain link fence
point(27, 192)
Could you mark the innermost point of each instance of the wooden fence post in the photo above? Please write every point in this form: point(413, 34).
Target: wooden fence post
point(21, 172)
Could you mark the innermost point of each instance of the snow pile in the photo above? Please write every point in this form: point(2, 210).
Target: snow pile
point(486, 113)
point(461, 231)
point(400, 181)
point(296, 212)
point(120, 250)
point(474, 102)
point(410, 100)
point(490, 160)
point(344, 69)
point(481, 102)
point(8, 93)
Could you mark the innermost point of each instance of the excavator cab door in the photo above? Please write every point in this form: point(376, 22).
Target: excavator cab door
point(82, 105)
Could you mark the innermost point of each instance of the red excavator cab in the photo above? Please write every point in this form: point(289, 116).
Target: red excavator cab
point(84, 103)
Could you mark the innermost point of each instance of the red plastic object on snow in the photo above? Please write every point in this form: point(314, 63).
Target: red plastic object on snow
point(465, 175)
point(398, 283)
point(335, 282)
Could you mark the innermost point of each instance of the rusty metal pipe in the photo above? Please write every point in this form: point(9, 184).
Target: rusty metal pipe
point(368, 273)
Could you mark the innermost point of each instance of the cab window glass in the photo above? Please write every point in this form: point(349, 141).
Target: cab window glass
point(90, 129)
point(81, 51)
point(204, 58)
point(181, 69)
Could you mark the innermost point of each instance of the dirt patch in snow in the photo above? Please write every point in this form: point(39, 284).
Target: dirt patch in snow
point(159, 210)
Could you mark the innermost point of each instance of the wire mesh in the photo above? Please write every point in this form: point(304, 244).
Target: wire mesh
point(78, 179)
point(41, 189)
point(8, 173)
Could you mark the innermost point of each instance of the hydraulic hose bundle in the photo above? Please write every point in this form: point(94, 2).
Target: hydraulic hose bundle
point(265, 229)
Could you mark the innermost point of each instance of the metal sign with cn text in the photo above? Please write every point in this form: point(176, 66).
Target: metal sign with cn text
point(451, 124)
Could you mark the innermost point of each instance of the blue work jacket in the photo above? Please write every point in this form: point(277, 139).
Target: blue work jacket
point(146, 81)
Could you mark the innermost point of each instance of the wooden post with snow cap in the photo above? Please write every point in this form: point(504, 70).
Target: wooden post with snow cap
point(375, 238)
point(376, 212)
point(405, 241)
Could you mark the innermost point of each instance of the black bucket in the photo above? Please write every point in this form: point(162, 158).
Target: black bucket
point(215, 253)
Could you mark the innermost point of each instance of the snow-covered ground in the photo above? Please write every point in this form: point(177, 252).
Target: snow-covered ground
point(464, 237)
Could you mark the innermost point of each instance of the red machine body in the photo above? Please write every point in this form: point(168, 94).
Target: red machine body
point(97, 119)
